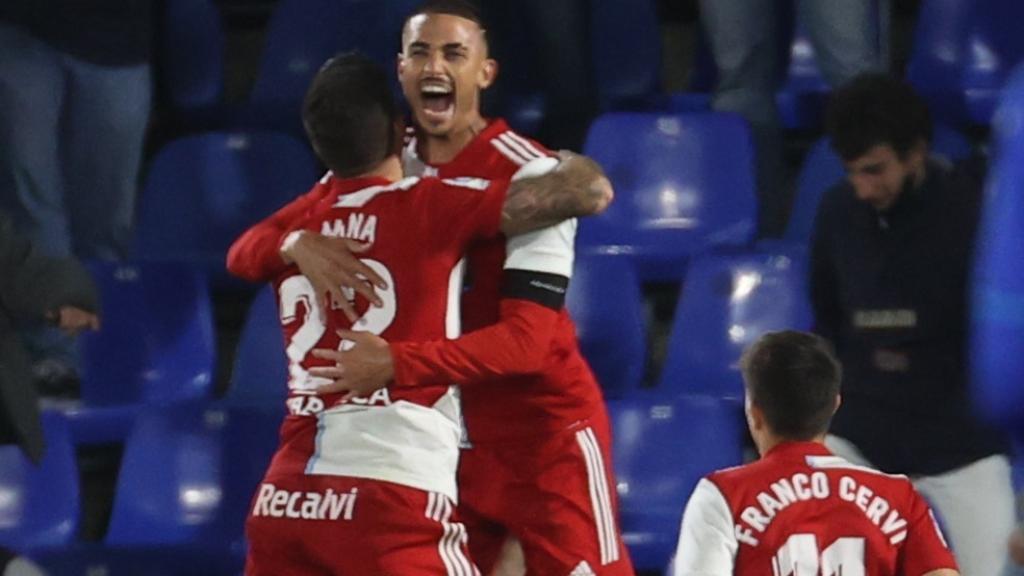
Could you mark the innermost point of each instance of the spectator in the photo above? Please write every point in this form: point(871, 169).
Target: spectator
point(890, 260)
point(744, 41)
point(74, 106)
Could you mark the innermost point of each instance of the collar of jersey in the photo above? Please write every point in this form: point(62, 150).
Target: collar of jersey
point(794, 449)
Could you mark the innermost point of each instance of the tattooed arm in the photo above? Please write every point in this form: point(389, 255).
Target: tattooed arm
point(576, 187)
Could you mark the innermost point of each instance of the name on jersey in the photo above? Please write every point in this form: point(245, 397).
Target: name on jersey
point(358, 226)
point(328, 505)
point(802, 487)
point(311, 405)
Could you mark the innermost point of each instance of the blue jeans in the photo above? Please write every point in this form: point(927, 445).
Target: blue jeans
point(71, 136)
point(744, 41)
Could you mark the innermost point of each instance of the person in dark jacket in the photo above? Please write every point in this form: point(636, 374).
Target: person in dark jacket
point(34, 288)
point(890, 259)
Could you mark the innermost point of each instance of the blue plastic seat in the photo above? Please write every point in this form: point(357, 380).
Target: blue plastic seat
point(661, 449)
point(203, 191)
point(998, 287)
point(962, 56)
point(605, 302)
point(187, 479)
point(260, 373)
point(801, 98)
point(626, 78)
point(39, 509)
point(683, 183)
point(727, 302)
point(156, 346)
point(822, 169)
point(192, 58)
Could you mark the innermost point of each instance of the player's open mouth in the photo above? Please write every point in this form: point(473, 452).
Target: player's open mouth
point(438, 101)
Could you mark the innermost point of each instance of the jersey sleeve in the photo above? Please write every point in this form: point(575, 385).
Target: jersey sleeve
point(255, 256)
point(925, 548)
point(538, 266)
point(707, 544)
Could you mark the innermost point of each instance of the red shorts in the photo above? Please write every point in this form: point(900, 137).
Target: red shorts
point(339, 526)
point(556, 495)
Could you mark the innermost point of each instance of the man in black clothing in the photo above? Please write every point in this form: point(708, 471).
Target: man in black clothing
point(890, 261)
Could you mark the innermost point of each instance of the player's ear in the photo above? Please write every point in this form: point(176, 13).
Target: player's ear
point(839, 402)
point(488, 73)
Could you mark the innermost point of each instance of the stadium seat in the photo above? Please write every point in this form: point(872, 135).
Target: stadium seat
point(661, 449)
point(998, 287)
point(186, 482)
point(260, 373)
point(626, 78)
point(605, 302)
point(684, 183)
point(203, 191)
point(156, 346)
point(192, 58)
point(822, 169)
point(39, 506)
point(962, 55)
point(301, 36)
point(801, 99)
point(728, 301)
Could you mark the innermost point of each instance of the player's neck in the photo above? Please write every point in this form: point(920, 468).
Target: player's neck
point(444, 149)
point(768, 442)
point(390, 169)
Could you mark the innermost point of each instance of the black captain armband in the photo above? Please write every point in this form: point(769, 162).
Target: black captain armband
point(539, 287)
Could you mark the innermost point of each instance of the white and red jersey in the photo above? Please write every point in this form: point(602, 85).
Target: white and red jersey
point(419, 231)
point(800, 510)
point(563, 391)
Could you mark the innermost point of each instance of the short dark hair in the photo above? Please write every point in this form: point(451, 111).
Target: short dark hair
point(793, 377)
point(349, 114)
point(874, 109)
point(461, 8)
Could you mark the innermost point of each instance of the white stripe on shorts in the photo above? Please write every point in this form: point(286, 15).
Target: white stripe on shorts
point(453, 538)
point(600, 498)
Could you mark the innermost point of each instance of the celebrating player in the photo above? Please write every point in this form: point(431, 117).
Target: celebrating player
point(799, 509)
point(367, 485)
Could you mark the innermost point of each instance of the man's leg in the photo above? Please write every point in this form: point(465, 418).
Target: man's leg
point(32, 90)
point(743, 38)
point(976, 506)
point(107, 114)
point(847, 37)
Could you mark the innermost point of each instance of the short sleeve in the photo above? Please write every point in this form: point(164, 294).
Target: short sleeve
point(925, 548)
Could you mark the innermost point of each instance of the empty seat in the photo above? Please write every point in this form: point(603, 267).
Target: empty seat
point(39, 506)
point(187, 478)
point(260, 373)
point(998, 287)
point(727, 302)
point(605, 302)
point(203, 191)
point(661, 449)
point(822, 169)
point(625, 78)
point(683, 183)
point(156, 345)
point(192, 58)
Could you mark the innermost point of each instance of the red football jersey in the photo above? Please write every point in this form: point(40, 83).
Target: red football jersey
point(800, 511)
point(565, 391)
point(419, 231)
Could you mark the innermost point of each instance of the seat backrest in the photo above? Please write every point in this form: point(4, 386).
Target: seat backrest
point(661, 449)
point(997, 339)
point(39, 507)
point(625, 77)
point(203, 191)
point(188, 475)
point(728, 301)
point(192, 54)
point(156, 343)
point(823, 169)
point(260, 373)
point(683, 183)
point(606, 304)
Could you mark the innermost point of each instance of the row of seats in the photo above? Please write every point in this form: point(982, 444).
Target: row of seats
point(962, 54)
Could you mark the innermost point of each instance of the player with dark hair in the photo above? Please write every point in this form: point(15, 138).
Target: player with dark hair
point(538, 463)
point(799, 509)
point(366, 484)
point(891, 255)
